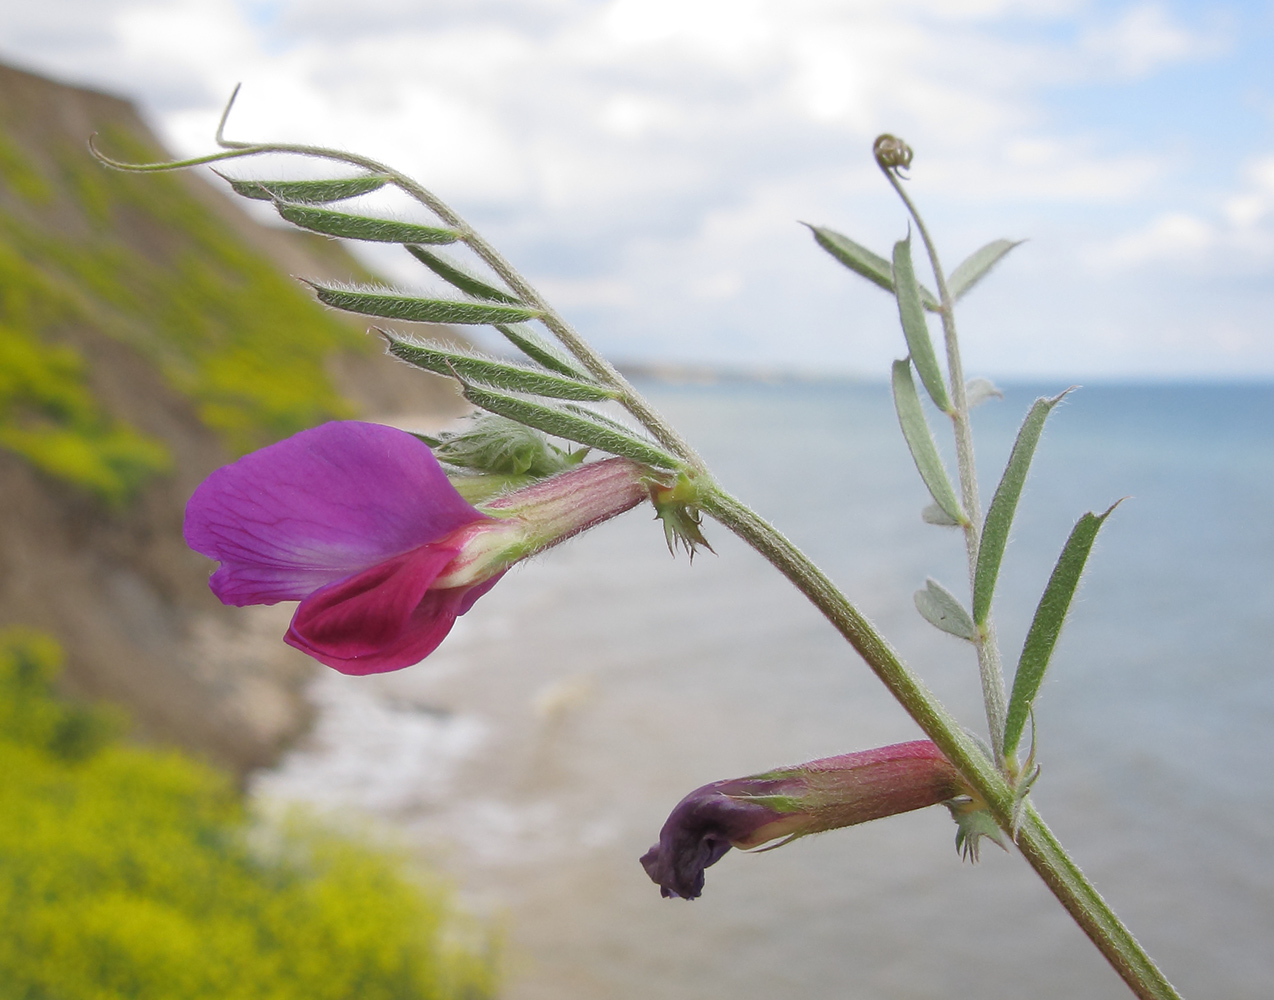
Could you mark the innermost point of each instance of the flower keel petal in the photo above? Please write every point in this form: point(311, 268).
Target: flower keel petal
point(370, 612)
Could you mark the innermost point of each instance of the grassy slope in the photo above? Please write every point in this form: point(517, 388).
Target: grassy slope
point(139, 260)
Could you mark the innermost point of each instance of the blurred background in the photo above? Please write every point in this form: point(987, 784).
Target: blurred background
point(646, 165)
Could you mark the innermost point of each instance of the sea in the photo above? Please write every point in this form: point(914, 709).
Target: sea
point(533, 758)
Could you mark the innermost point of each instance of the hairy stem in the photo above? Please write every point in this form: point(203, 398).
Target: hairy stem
point(1034, 839)
point(1085, 905)
point(988, 649)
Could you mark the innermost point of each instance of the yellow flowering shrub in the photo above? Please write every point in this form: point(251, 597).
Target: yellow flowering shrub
point(128, 872)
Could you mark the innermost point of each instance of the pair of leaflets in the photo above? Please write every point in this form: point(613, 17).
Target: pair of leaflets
point(935, 602)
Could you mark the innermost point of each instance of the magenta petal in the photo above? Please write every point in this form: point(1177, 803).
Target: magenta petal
point(384, 618)
point(318, 507)
point(471, 594)
point(370, 611)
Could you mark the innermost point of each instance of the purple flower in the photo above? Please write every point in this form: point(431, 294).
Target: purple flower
point(359, 523)
point(791, 802)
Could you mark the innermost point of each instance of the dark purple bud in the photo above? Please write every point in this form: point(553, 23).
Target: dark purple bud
point(794, 801)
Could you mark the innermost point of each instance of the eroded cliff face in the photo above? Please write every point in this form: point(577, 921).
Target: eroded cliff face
point(150, 332)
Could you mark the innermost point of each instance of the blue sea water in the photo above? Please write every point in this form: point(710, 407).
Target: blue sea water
point(537, 753)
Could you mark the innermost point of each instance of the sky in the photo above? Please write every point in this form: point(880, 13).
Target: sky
point(646, 163)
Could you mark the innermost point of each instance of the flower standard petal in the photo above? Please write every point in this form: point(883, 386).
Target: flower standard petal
point(319, 507)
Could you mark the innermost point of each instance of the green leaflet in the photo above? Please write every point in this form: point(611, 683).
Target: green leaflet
point(977, 265)
point(919, 439)
point(572, 426)
point(361, 227)
point(395, 305)
point(452, 273)
point(308, 192)
point(914, 326)
point(538, 349)
point(598, 418)
point(498, 374)
point(941, 609)
point(1050, 615)
point(864, 262)
point(999, 517)
point(855, 256)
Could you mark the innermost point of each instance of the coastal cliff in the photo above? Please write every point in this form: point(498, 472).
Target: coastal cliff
point(149, 332)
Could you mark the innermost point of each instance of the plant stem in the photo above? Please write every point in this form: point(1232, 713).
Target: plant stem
point(1034, 839)
point(990, 669)
point(1085, 905)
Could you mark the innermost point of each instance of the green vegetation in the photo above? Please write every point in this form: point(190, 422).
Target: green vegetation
point(134, 873)
point(48, 416)
point(16, 172)
point(86, 252)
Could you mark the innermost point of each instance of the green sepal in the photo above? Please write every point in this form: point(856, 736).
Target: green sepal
point(1046, 626)
point(477, 488)
point(503, 448)
point(454, 274)
point(372, 301)
point(677, 507)
point(999, 516)
point(973, 822)
point(570, 425)
point(977, 266)
point(361, 227)
point(864, 262)
point(943, 610)
point(498, 374)
point(777, 803)
point(538, 349)
point(308, 192)
point(915, 429)
point(914, 326)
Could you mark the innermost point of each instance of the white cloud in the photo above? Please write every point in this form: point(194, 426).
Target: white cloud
point(1236, 236)
point(569, 293)
point(645, 160)
point(1255, 203)
point(1145, 38)
point(1172, 236)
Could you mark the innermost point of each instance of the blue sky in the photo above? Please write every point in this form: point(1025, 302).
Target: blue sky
point(645, 161)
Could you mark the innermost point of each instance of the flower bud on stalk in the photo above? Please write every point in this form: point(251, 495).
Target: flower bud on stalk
point(791, 802)
point(892, 154)
point(359, 523)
